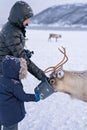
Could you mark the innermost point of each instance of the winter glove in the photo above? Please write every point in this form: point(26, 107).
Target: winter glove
point(29, 53)
point(37, 97)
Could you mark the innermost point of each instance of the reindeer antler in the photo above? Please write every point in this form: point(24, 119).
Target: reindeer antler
point(62, 62)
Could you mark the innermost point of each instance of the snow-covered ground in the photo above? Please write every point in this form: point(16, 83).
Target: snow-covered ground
point(59, 111)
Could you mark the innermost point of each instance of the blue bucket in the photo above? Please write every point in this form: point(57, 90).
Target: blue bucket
point(44, 89)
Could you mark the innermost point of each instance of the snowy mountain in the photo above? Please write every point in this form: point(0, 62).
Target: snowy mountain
point(63, 15)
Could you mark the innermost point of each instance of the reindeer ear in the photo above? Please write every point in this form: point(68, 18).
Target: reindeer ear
point(60, 73)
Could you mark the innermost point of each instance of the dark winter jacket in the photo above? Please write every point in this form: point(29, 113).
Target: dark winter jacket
point(12, 95)
point(12, 37)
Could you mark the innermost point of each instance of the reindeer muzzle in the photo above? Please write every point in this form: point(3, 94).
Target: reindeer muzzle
point(44, 89)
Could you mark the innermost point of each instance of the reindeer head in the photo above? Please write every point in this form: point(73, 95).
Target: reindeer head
point(60, 36)
point(57, 72)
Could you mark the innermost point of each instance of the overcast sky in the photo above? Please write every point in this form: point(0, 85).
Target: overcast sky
point(37, 5)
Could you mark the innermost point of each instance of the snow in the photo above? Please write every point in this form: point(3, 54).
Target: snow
point(59, 111)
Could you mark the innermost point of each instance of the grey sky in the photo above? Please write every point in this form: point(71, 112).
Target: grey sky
point(37, 6)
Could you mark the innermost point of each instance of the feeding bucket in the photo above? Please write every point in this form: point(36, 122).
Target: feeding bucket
point(44, 89)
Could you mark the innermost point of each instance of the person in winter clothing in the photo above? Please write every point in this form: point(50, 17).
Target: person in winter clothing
point(12, 37)
point(12, 95)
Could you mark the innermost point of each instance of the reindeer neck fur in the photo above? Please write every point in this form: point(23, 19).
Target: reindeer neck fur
point(73, 83)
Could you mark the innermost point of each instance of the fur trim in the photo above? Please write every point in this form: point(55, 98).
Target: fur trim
point(23, 68)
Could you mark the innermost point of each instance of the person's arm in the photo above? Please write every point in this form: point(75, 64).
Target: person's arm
point(17, 49)
point(21, 95)
point(36, 71)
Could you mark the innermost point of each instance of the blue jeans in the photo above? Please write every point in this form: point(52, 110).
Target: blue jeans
point(12, 127)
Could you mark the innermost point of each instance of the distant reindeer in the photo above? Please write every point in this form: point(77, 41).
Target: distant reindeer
point(56, 36)
point(72, 82)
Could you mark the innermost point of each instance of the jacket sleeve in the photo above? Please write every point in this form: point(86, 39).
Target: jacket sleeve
point(16, 47)
point(14, 43)
point(34, 70)
point(21, 95)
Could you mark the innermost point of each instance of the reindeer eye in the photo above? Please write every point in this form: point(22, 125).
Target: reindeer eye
point(52, 81)
point(60, 74)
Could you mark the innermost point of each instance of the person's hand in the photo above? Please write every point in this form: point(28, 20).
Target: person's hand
point(37, 97)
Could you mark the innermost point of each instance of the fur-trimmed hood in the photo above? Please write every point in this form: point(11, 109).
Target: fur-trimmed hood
point(13, 67)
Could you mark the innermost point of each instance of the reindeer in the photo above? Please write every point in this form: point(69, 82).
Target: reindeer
point(56, 36)
point(72, 82)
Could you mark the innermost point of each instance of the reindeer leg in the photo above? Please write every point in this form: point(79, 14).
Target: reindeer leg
point(56, 39)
